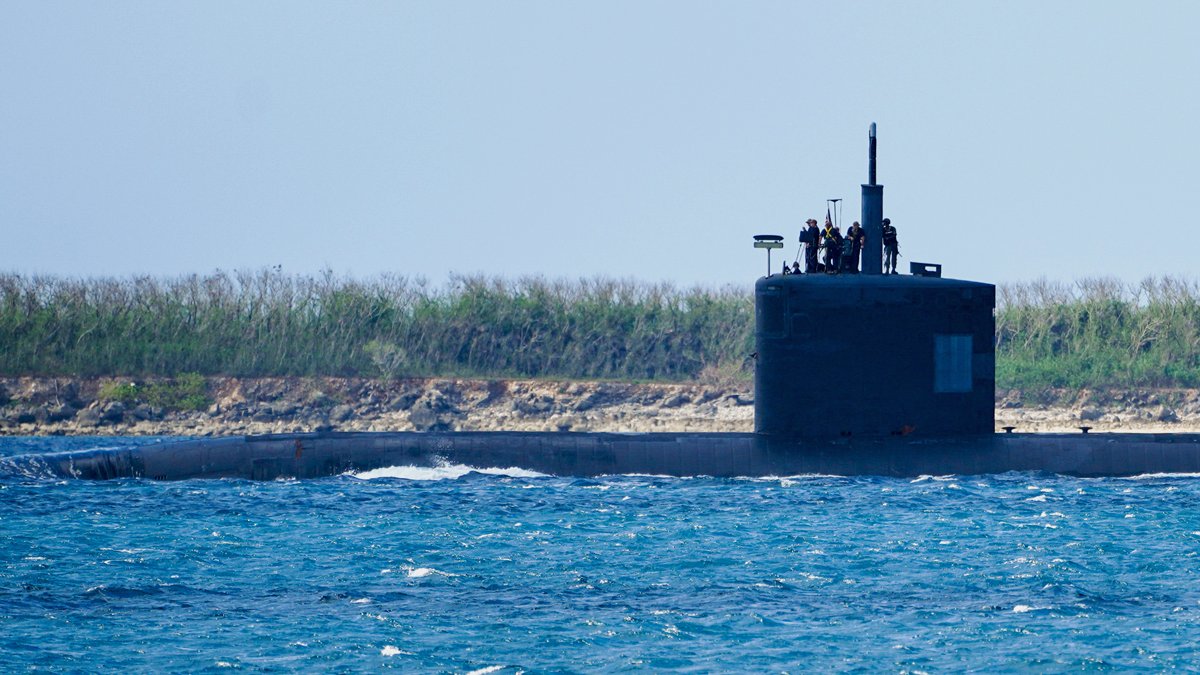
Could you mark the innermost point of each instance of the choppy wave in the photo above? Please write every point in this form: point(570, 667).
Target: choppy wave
point(25, 467)
point(460, 569)
point(443, 472)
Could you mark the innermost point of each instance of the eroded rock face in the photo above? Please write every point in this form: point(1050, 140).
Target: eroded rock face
point(434, 411)
point(113, 411)
point(144, 411)
point(89, 417)
point(534, 404)
point(1166, 415)
point(51, 414)
point(277, 405)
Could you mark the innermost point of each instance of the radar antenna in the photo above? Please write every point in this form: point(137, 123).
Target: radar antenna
point(768, 241)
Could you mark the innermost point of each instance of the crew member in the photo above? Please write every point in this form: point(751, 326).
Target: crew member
point(833, 247)
point(858, 237)
point(891, 247)
point(795, 267)
point(812, 239)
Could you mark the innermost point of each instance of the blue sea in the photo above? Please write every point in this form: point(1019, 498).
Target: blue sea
point(454, 570)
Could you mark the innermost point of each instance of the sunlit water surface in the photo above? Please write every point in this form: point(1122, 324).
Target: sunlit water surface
point(452, 570)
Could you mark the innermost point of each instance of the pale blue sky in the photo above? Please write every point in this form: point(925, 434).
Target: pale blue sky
point(632, 139)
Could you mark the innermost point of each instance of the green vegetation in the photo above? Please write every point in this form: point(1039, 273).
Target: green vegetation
point(188, 391)
point(1098, 333)
point(1095, 333)
point(268, 323)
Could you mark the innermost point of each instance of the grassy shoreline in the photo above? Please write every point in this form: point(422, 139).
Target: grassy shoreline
point(1096, 333)
point(267, 323)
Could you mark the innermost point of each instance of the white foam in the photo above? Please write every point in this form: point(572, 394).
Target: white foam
point(641, 475)
point(757, 479)
point(1023, 609)
point(485, 671)
point(1151, 476)
point(443, 472)
point(392, 650)
point(804, 476)
point(421, 572)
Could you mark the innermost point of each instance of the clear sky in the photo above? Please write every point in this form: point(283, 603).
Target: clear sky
point(645, 139)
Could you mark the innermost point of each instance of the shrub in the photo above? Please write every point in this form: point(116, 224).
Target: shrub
point(125, 392)
point(188, 391)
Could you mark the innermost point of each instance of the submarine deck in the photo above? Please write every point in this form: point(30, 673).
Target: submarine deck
point(314, 455)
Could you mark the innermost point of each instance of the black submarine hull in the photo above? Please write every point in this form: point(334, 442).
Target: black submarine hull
point(315, 455)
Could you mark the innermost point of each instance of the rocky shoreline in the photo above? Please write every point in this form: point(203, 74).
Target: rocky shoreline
point(234, 406)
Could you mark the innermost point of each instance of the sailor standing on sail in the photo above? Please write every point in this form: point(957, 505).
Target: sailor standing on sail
point(833, 246)
point(891, 247)
point(811, 236)
point(857, 236)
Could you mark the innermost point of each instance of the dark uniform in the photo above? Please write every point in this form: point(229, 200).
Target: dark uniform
point(891, 247)
point(813, 240)
point(833, 249)
point(858, 238)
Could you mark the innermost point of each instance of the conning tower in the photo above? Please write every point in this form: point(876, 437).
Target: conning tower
point(871, 354)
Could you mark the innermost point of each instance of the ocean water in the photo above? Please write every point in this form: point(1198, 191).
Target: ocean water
point(453, 570)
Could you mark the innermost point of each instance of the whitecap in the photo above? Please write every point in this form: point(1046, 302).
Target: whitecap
point(443, 472)
point(787, 480)
point(485, 671)
point(1151, 476)
point(393, 650)
point(422, 572)
point(1021, 609)
point(361, 601)
point(642, 475)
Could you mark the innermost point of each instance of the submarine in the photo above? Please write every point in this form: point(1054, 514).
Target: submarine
point(854, 374)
